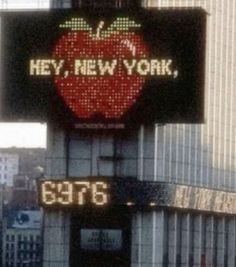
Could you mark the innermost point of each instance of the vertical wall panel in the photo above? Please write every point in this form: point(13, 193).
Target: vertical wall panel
point(185, 244)
point(220, 241)
point(211, 142)
point(172, 239)
point(209, 240)
point(196, 240)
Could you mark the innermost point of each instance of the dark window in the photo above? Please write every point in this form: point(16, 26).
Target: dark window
point(105, 3)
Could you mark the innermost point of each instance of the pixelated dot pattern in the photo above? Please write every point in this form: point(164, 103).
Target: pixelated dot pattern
point(107, 95)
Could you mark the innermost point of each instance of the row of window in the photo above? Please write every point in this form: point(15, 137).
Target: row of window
point(31, 238)
point(23, 255)
point(3, 168)
point(23, 264)
point(23, 246)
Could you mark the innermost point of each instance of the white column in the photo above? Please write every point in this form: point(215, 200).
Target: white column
point(231, 242)
point(56, 224)
point(136, 241)
point(172, 239)
point(56, 153)
point(220, 241)
point(56, 239)
point(185, 244)
point(209, 241)
point(158, 240)
point(148, 239)
point(197, 241)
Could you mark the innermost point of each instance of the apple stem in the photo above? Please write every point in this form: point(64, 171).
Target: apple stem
point(100, 26)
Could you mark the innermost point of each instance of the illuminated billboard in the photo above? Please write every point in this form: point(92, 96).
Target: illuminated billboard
point(102, 68)
point(83, 192)
point(104, 192)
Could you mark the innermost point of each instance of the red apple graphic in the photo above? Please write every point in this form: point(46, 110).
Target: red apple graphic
point(109, 95)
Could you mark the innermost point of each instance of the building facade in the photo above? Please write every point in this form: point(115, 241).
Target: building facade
point(191, 155)
point(9, 165)
point(22, 243)
point(19, 170)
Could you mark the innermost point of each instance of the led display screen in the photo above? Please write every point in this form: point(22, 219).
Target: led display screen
point(95, 192)
point(78, 192)
point(103, 67)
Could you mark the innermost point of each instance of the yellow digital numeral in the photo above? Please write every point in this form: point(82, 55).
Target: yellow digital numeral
point(65, 190)
point(83, 189)
point(48, 193)
point(99, 197)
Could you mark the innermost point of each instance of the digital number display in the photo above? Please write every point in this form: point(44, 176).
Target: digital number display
point(104, 69)
point(74, 193)
point(129, 192)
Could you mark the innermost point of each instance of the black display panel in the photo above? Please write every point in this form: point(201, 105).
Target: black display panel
point(103, 67)
point(115, 192)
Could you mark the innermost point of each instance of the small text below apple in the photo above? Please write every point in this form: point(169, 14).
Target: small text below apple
point(101, 67)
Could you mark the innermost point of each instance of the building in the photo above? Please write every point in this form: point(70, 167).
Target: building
point(9, 164)
point(192, 155)
point(21, 161)
point(24, 193)
point(22, 244)
point(31, 168)
point(31, 162)
point(21, 167)
point(192, 221)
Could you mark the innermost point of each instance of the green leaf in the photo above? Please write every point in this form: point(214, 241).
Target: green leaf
point(76, 24)
point(120, 25)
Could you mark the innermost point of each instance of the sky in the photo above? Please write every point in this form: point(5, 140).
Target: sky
point(24, 4)
point(29, 135)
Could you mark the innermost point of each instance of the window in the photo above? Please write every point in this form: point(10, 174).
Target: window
point(105, 3)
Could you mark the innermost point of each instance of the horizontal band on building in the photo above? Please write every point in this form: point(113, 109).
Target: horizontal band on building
point(104, 191)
